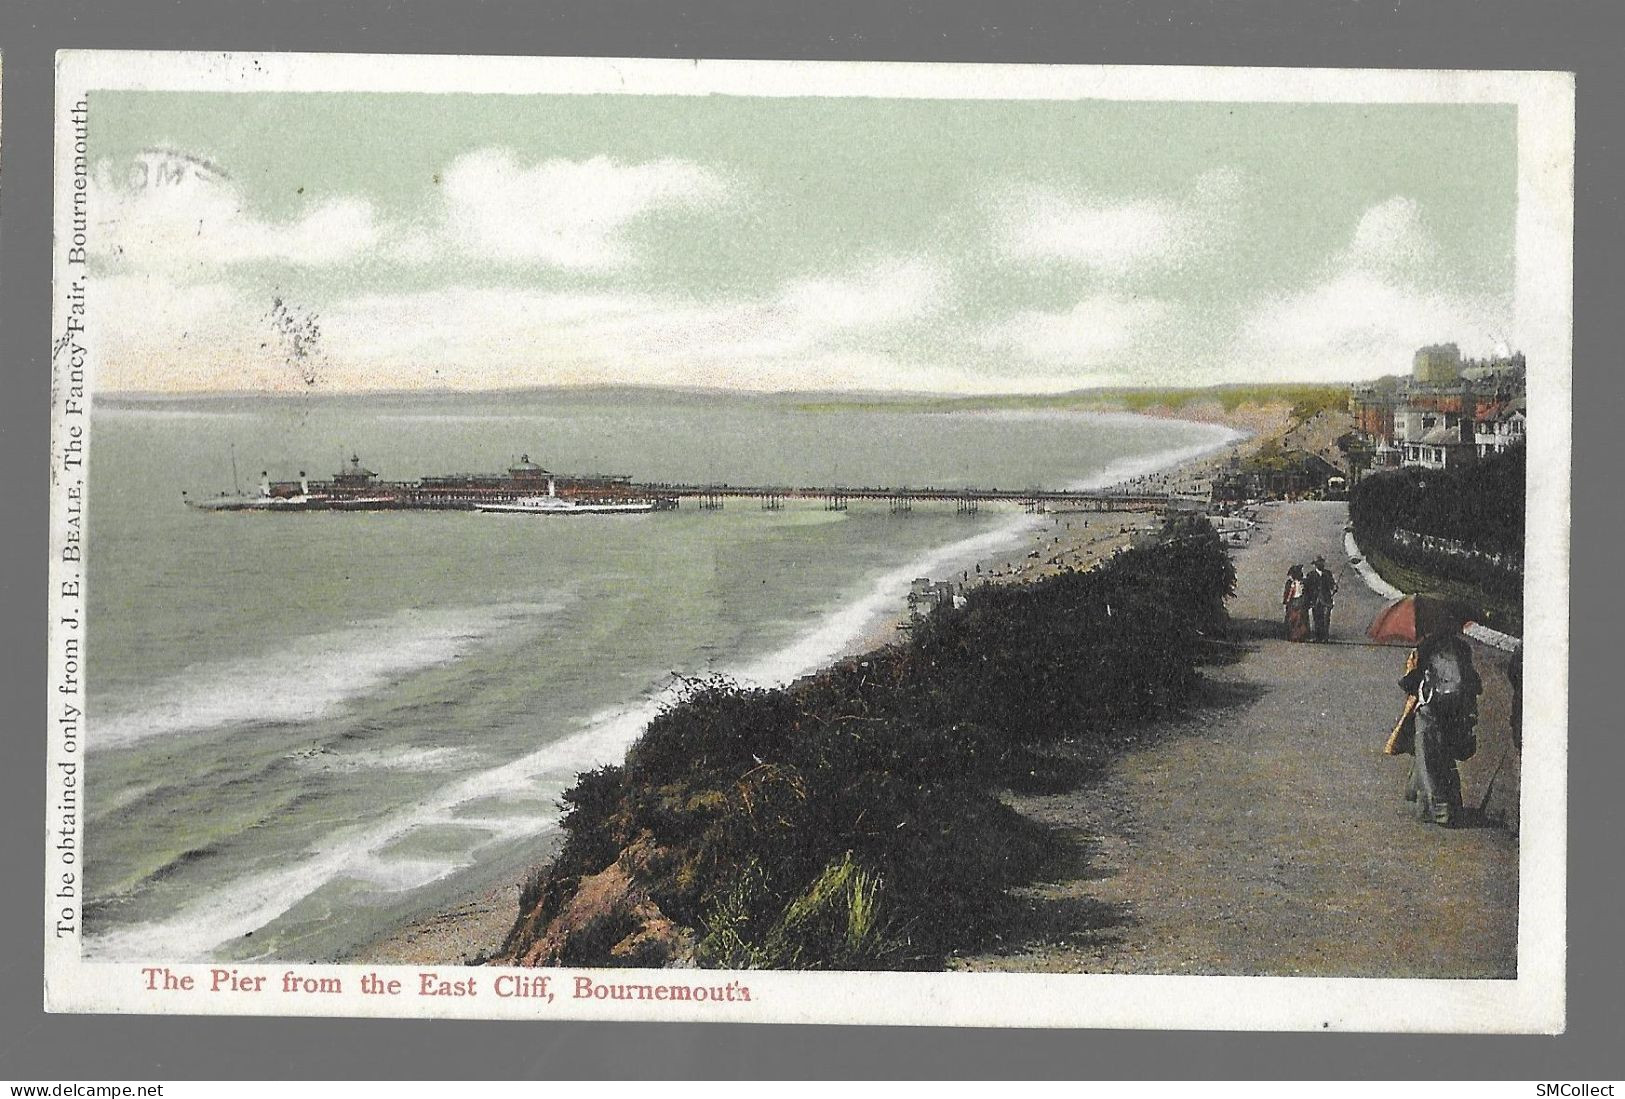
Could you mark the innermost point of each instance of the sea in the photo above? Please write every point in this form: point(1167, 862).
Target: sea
point(305, 730)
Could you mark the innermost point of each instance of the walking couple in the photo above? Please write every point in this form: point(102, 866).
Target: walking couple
point(1308, 599)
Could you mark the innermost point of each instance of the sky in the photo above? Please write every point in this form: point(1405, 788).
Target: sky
point(341, 242)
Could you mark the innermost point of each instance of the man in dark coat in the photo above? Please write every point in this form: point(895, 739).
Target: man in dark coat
point(1321, 586)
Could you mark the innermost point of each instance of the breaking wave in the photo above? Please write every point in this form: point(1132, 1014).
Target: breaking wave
point(228, 913)
point(312, 676)
point(383, 759)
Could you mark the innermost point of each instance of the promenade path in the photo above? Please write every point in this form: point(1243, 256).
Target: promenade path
point(1265, 832)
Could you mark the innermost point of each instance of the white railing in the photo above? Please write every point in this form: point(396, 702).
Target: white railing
point(1454, 547)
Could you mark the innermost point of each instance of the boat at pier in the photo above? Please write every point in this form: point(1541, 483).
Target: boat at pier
point(554, 505)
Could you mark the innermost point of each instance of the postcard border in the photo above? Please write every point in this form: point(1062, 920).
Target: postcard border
point(1531, 1003)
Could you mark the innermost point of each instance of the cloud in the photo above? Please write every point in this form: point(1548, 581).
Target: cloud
point(564, 213)
point(1107, 238)
point(1391, 239)
point(658, 337)
point(1090, 334)
point(824, 330)
point(1375, 302)
point(888, 292)
point(872, 306)
point(195, 222)
point(172, 212)
point(1113, 238)
point(1358, 312)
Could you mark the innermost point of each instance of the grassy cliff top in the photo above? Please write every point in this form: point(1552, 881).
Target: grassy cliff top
point(1304, 399)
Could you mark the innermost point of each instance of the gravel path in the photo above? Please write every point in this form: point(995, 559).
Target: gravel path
point(1265, 832)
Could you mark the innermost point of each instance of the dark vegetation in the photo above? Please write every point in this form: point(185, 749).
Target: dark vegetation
point(1481, 507)
point(852, 820)
point(1271, 455)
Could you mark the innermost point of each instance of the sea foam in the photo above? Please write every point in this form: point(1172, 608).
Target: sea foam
point(311, 676)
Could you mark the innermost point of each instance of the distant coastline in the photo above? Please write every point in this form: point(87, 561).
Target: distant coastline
point(1181, 402)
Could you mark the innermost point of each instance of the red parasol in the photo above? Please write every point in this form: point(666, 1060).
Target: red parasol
point(1416, 617)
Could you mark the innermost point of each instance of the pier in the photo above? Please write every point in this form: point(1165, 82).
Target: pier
point(356, 488)
point(902, 500)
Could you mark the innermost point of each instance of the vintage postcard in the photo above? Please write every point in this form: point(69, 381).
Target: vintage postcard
point(809, 542)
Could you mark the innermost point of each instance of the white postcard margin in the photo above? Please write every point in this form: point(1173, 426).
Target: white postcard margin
point(1532, 1003)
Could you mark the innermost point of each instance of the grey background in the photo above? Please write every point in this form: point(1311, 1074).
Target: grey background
point(1467, 34)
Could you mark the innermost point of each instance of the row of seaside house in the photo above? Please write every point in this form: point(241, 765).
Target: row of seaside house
point(1449, 413)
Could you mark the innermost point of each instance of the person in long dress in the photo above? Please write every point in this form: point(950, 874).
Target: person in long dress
point(1295, 599)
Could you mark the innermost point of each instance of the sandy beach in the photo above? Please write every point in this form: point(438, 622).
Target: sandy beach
point(475, 928)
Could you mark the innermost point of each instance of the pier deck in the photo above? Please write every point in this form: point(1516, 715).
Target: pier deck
point(772, 496)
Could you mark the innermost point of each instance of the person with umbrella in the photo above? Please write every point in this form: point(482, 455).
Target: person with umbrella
point(1441, 707)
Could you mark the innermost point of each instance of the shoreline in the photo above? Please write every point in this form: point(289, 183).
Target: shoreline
point(474, 926)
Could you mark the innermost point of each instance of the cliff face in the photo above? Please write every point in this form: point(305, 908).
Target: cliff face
point(605, 919)
point(852, 820)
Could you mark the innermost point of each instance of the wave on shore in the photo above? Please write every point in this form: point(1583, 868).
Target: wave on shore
point(310, 677)
point(1127, 469)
